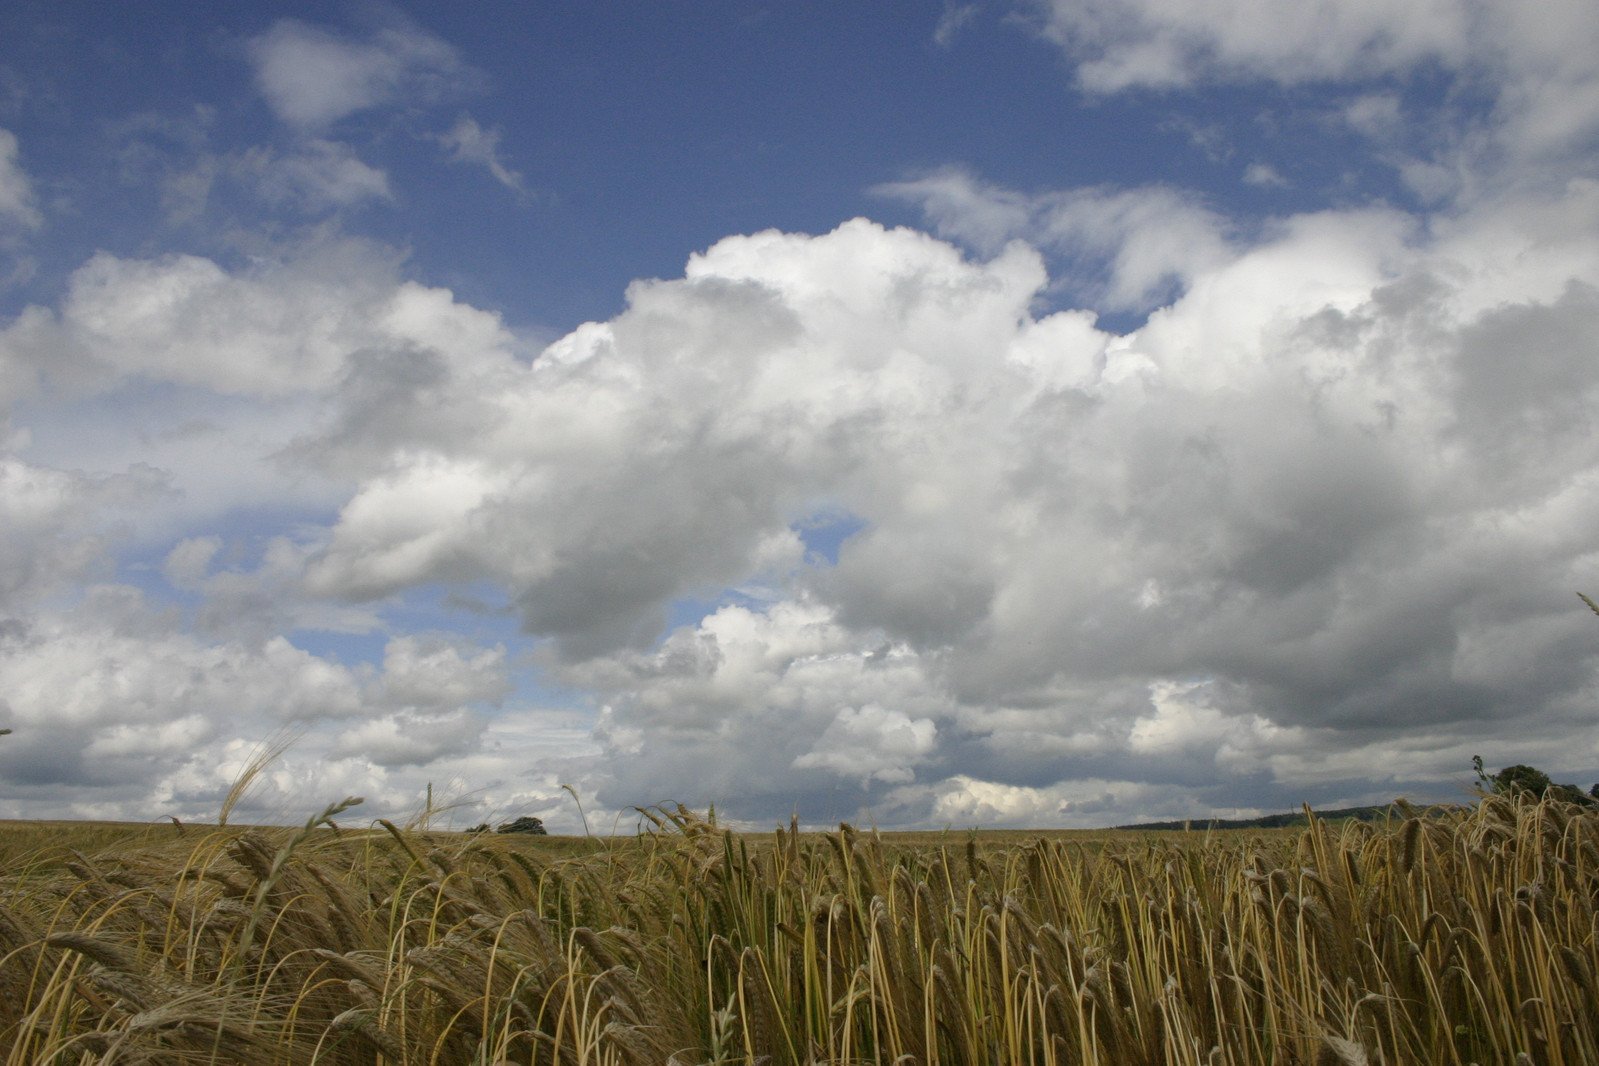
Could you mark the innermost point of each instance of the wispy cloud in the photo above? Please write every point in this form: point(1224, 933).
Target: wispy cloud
point(318, 175)
point(312, 77)
point(955, 18)
point(1118, 249)
point(470, 143)
point(1542, 74)
point(1264, 175)
point(17, 200)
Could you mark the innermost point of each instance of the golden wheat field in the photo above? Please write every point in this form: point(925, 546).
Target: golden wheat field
point(1443, 937)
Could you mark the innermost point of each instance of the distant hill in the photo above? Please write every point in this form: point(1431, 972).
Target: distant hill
point(1280, 821)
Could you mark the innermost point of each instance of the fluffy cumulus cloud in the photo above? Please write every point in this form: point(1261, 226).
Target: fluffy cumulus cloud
point(871, 742)
point(1333, 498)
point(758, 709)
point(97, 696)
point(161, 397)
point(646, 458)
point(1318, 492)
point(116, 707)
point(59, 524)
point(279, 326)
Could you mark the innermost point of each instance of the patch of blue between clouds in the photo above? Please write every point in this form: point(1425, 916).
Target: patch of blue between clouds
point(242, 548)
point(823, 533)
point(691, 610)
point(476, 614)
point(346, 649)
point(480, 612)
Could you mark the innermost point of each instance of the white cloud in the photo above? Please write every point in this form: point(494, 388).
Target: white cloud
point(1541, 73)
point(409, 739)
point(604, 486)
point(1264, 175)
point(188, 563)
point(111, 700)
point(1120, 249)
point(754, 704)
point(115, 708)
point(470, 143)
point(205, 385)
point(420, 671)
point(871, 742)
point(1377, 115)
point(177, 155)
point(952, 21)
point(59, 525)
point(1191, 720)
point(1332, 498)
point(318, 175)
point(1550, 100)
point(407, 529)
point(186, 320)
point(1124, 43)
point(17, 199)
point(312, 78)
point(130, 664)
point(1343, 463)
point(275, 328)
point(966, 802)
point(1301, 435)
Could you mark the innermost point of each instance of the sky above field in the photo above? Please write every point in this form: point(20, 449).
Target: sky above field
point(1004, 414)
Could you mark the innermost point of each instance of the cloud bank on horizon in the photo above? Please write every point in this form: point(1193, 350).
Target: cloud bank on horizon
point(1252, 461)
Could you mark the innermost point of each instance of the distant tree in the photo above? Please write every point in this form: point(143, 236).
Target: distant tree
point(1572, 794)
point(1521, 778)
point(481, 827)
point(525, 824)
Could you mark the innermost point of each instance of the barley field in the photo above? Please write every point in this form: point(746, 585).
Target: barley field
point(1463, 936)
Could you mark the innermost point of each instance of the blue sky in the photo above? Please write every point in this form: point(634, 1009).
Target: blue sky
point(641, 137)
point(1015, 413)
